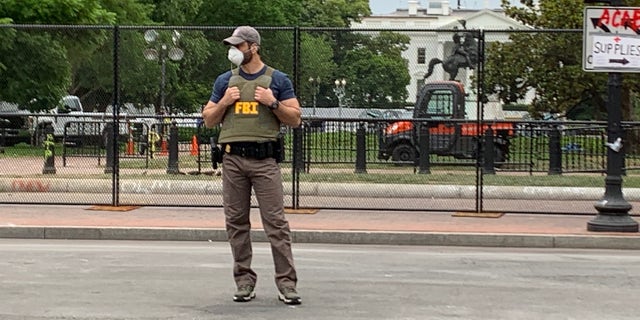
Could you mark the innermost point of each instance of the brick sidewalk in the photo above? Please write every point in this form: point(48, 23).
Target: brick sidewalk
point(322, 220)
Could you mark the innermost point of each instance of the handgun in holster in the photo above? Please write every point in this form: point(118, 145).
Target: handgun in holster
point(216, 153)
point(279, 146)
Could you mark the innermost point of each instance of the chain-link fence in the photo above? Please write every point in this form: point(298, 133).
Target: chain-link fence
point(380, 139)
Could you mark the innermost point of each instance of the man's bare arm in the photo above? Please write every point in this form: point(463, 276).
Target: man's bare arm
point(289, 112)
point(213, 113)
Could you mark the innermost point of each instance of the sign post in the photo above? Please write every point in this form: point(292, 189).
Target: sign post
point(612, 44)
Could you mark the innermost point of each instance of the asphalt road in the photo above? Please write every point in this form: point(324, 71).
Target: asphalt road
point(192, 280)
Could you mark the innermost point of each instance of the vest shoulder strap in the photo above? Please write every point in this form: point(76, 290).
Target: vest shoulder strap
point(268, 72)
point(262, 80)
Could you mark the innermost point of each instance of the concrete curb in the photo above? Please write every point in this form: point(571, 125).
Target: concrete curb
point(333, 237)
point(336, 190)
point(364, 190)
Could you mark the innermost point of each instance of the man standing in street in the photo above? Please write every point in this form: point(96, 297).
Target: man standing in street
point(251, 102)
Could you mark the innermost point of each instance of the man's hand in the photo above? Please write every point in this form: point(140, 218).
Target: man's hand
point(264, 96)
point(213, 113)
point(231, 95)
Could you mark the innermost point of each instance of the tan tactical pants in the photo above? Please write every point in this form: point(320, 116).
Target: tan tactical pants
point(238, 177)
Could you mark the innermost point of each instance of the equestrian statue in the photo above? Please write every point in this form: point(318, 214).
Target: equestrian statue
point(463, 55)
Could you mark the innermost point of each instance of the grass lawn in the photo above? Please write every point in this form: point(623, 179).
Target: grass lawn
point(330, 173)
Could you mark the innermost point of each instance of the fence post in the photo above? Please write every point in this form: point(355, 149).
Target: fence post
point(555, 152)
point(109, 147)
point(307, 130)
point(361, 149)
point(424, 145)
point(297, 152)
point(613, 209)
point(172, 168)
point(49, 151)
point(4, 123)
point(489, 153)
point(297, 164)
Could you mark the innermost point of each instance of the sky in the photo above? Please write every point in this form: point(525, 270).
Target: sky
point(388, 6)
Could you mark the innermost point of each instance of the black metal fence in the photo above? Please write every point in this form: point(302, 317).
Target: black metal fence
point(122, 156)
point(329, 163)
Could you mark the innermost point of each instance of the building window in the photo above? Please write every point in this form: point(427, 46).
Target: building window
point(422, 55)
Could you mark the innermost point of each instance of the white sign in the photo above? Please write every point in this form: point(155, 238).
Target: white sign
point(615, 52)
point(611, 39)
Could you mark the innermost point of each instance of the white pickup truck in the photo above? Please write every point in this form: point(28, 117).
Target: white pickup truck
point(80, 125)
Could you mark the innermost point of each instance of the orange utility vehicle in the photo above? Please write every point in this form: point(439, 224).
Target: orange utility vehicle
point(441, 105)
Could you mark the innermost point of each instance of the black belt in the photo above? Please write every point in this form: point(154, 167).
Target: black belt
point(253, 150)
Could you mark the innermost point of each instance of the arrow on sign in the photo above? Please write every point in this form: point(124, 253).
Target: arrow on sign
point(631, 25)
point(622, 61)
point(596, 23)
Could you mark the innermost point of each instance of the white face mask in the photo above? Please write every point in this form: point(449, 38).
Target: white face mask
point(235, 56)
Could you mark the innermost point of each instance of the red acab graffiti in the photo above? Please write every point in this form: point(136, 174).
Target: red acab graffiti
point(620, 18)
point(29, 186)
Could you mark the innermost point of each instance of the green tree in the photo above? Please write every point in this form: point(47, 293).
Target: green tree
point(191, 77)
point(373, 66)
point(324, 54)
point(380, 56)
point(268, 16)
point(332, 13)
point(80, 60)
point(36, 81)
point(140, 78)
point(316, 13)
point(248, 12)
point(63, 12)
point(35, 65)
point(6, 39)
point(316, 69)
point(93, 60)
point(174, 12)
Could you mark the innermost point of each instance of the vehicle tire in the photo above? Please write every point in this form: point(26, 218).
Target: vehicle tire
point(500, 154)
point(499, 157)
point(403, 154)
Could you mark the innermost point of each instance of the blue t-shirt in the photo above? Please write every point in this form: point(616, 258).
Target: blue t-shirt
point(281, 85)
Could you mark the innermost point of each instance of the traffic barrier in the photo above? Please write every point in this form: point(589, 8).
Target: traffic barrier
point(164, 150)
point(195, 150)
point(130, 146)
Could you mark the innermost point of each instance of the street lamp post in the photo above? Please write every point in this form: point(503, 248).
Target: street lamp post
point(161, 51)
point(340, 85)
point(613, 209)
point(315, 86)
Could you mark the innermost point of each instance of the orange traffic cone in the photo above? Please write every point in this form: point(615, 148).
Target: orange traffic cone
point(163, 148)
point(194, 146)
point(130, 147)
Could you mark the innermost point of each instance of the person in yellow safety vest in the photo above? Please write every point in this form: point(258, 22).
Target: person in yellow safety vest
point(154, 138)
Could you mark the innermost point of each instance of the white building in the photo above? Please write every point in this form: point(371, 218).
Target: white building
point(426, 43)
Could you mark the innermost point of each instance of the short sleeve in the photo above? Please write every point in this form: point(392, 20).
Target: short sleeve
point(220, 86)
point(282, 86)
